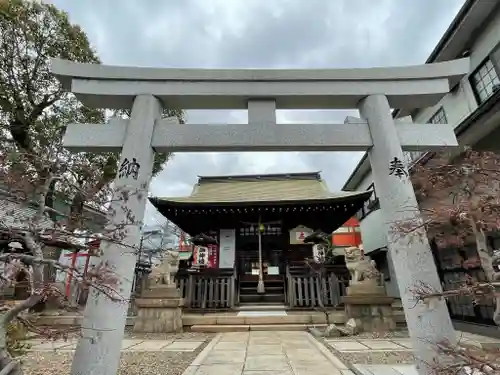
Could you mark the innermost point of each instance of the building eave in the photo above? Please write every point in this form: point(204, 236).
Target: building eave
point(453, 32)
point(328, 214)
point(462, 30)
point(484, 111)
point(4, 193)
point(186, 203)
point(359, 173)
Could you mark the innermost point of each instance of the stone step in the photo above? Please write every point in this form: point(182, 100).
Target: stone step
point(267, 297)
point(399, 315)
point(305, 317)
point(220, 319)
point(252, 327)
point(263, 306)
point(397, 305)
point(253, 289)
point(65, 320)
point(263, 296)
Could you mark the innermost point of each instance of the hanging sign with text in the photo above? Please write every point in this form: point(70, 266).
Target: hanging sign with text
point(206, 256)
point(213, 258)
point(298, 234)
point(201, 256)
point(227, 248)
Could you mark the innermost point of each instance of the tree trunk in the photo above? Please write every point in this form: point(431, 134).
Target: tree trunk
point(7, 364)
point(482, 250)
point(487, 264)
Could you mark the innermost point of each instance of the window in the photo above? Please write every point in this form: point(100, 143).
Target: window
point(439, 117)
point(372, 204)
point(485, 80)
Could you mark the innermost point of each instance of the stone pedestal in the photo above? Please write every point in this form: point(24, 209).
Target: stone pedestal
point(371, 312)
point(159, 310)
point(362, 289)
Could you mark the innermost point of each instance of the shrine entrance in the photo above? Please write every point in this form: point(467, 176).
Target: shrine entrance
point(247, 254)
point(374, 92)
point(261, 257)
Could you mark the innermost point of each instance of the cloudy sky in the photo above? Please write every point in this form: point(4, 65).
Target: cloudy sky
point(260, 34)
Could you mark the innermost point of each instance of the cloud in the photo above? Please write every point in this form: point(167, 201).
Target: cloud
point(260, 34)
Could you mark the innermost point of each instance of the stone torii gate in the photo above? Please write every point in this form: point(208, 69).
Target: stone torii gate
point(373, 91)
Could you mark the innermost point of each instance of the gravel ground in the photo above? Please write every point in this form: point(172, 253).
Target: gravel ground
point(132, 363)
point(185, 336)
point(373, 358)
point(400, 334)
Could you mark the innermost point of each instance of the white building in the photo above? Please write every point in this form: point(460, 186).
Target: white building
point(472, 107)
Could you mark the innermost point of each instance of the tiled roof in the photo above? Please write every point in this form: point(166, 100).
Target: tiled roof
point(15, 215)
point(271, 188)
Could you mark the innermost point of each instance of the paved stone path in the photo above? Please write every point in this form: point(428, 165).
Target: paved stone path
point(386, 369)
point(128, 345)
point(354, 345)
point(401, 344)
point(375, 345)
point(266, 353)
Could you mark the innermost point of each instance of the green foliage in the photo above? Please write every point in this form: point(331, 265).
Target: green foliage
point(35, 110)
point(330, 254)
point(16, 339)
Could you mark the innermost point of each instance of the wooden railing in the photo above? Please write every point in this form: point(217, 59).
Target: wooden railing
point(308, 287)
point(208, 289)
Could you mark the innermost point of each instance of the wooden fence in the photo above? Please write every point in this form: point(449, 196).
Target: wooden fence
point(310, 288)
point(216, 289)
point(208, 289)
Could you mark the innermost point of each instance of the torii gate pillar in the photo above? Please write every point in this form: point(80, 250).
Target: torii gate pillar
point(412, 258)
point(105, 319)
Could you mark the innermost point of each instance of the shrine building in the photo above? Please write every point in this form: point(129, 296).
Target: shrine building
point(260, 222)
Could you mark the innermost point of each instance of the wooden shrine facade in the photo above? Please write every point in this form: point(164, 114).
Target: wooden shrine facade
point(260, 223)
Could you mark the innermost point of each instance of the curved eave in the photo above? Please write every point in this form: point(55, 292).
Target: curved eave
point(7, 236)
point(104, 86)
point(194, 218)
point(162, 203)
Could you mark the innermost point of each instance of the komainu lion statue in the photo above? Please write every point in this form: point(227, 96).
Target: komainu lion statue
point(360, 267)
point(162, 273)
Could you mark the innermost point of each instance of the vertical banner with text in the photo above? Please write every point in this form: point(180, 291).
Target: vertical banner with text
point(227, 248)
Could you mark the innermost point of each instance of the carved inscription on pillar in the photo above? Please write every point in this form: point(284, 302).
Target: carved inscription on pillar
point(129, 168)
point(397, 168)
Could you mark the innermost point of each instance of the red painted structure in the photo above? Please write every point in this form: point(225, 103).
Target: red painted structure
point(183, 245)
point(348, 234)
point(93, 247)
